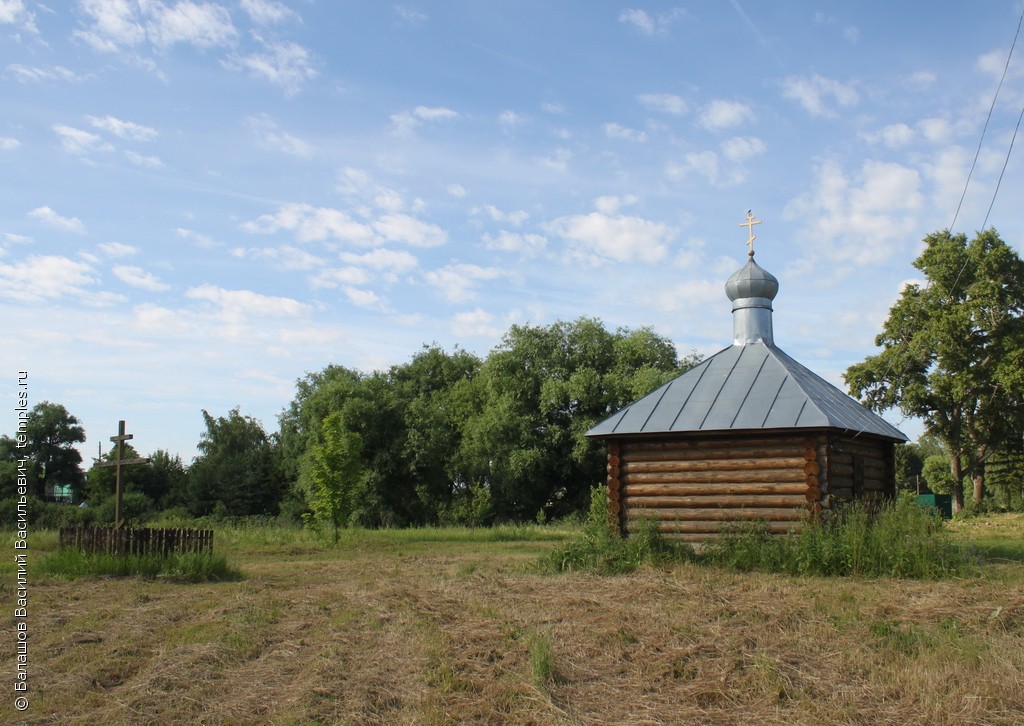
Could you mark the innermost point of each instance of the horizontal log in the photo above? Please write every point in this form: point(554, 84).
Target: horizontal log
point(811, 467)
point(613, 460)
point(714, 465)
point(813, 494)
point(693, 444)
point(861, 448)
point(841, 493)
point(686, 527)
point(779, 514)
point(811, 480)
point(876, 485)
point(842, 482)
point(614, 495)
point(614, 484)
point(671, 490)
point(726, 452)
point(718, 500)
point(770, 476)
point(614, 507)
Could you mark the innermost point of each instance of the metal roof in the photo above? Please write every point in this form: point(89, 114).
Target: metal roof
point(748, 387)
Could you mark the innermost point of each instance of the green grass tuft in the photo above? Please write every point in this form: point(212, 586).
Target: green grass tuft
point(185, 567)
point(900, 539)
point(599, 548)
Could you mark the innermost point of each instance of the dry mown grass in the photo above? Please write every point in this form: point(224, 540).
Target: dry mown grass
point(440, 633)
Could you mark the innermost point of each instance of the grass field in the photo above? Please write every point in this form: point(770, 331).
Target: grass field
point(458, 626)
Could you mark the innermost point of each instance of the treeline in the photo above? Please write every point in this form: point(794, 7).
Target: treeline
point(445, 438)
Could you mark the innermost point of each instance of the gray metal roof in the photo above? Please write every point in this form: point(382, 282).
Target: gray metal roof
point(745, 388)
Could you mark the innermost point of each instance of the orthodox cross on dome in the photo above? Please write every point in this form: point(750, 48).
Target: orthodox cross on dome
point(749, 224)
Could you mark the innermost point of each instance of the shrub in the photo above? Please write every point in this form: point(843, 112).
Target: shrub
point(600, 548)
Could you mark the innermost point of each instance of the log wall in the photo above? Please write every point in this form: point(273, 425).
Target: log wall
point(695, 487)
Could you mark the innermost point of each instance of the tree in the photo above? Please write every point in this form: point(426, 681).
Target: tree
point(50, 434)
point(332, 474)
point(953, 352)
point(238, 466)
point(541, 390)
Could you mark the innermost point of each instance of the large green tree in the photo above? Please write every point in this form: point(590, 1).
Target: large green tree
point(50, 437)
point(953, 352)
point(238, 467)
point(543, 388)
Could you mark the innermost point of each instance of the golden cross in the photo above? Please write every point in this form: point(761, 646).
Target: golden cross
point(749, 224)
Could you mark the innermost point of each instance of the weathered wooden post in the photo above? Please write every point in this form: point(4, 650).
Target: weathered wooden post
point(119, 462)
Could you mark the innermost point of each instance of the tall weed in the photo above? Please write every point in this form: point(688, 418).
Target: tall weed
point(898, 539)
point(600, 548)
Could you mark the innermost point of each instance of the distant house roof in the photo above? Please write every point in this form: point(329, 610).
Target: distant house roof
point(749, 387)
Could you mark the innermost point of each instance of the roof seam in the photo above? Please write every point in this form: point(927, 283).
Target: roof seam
point(725, 381)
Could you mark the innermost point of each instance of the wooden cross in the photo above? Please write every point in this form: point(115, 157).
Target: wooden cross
point(117, 463)
point(749, 224)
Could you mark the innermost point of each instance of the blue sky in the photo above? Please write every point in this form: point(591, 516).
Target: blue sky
point(203, 201)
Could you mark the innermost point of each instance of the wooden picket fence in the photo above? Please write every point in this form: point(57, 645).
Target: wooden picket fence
point(136, 541)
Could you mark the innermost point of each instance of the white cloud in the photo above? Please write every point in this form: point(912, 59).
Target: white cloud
point(360, 187)
point(721, 114)
point(527, 245)
point(860, 219)
point(410, 15)
point(364, 298)
point(9, 144)
point(45, 277)
point(202, 240)
point(516, 219)
point(704, 163)
point(936, 130)
point(611, 205)
point(204, 25)
point(558, 160)
point(921, 79)
point(115, 24)
point(893, 136)
point(37, 74)
point(116, 249)
point(648, 24)
point(405, 122)
point(812, 94)
point(79, 142)
point(149, 162)
point(411, 231)
point(993, 63)
point(312, 224)
point(600, 237)
point(741, 148)
point(137, 277)
point(510, 119)
point(338, 277)
point(457, 190)
point(615, 131)
point(555, 108)
point(268, 136)
point(14, 12)
point(287, 65)
point(124, 129)
point(474, 324)
point(246, 303)
point(287, 257)
point(382, 259)
point(18, 239)
point(50, 218)
point(458, 282)
point(664, 102)
point(267, 12)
